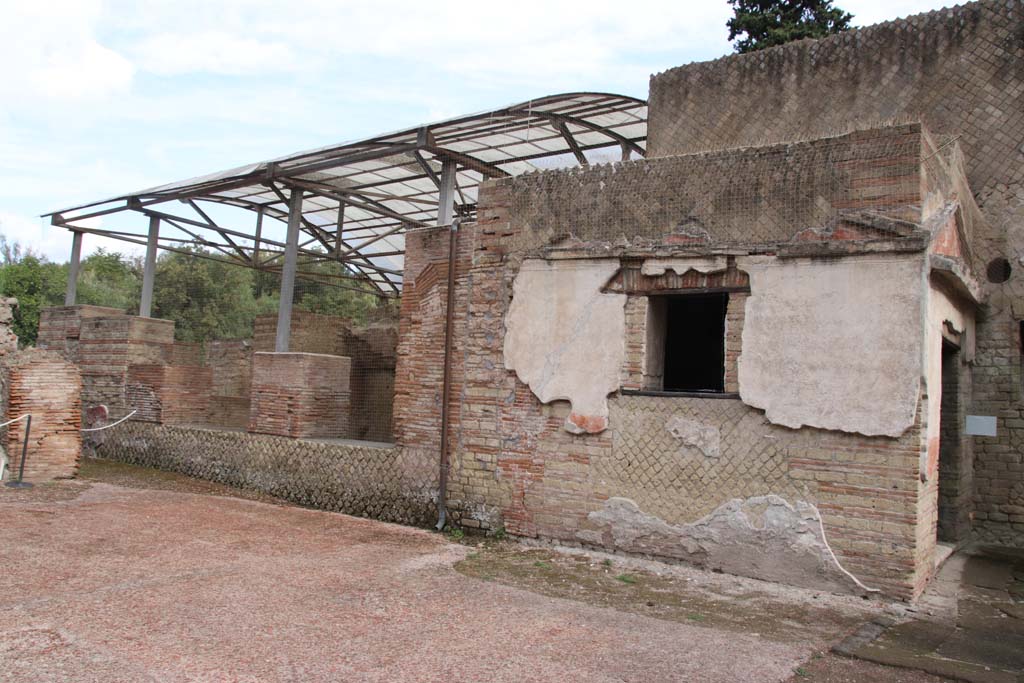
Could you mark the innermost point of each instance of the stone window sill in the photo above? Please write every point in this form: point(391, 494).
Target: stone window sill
point(680, 394)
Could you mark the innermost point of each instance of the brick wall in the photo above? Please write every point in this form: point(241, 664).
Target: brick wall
point(60, 327)
point(43, 384)
point(170, 394)
point(956, 70)
point(310, 332)
point(419, 373)
point(108, 345)
point(372, 350)
point(751, 197)
point(230, 361)
point(959, 72)
point(301, 395)
point(515, 467)
point(391, 484)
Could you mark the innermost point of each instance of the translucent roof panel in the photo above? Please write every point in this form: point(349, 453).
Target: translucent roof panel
point(359, 198)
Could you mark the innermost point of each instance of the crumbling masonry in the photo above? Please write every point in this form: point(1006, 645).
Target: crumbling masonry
point(775, 324)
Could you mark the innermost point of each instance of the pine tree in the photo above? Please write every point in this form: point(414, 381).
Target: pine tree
point(764, 23)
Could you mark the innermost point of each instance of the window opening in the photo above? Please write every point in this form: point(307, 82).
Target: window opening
point(694, 350)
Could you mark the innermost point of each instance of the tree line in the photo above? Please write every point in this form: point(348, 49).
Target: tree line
point(207, 299)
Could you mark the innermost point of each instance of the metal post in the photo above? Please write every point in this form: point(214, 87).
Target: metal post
point(446, 193)
point(21, 484)
point(259, 236)
point(73, 264)
point(446, 386)
point(341, 227)
point(149, 268)
point(291, 252)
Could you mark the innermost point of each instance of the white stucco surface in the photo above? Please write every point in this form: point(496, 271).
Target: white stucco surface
point(835, 344)
point(681, 266)
point(565, 338)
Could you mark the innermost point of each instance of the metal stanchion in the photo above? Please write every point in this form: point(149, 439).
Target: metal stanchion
point(20, 484)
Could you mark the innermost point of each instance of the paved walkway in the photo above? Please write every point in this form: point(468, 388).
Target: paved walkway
point(113, 584)
point(969, 624)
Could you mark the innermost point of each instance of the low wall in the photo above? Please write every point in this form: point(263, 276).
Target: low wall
point(389, 484)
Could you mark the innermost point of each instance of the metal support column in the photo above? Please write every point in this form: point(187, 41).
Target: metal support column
point(446, 193)
point(338, 241)
point(73, 264)
point(149, 268)
point(291, 255)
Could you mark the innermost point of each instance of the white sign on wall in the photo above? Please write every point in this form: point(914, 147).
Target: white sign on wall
point(981, 425)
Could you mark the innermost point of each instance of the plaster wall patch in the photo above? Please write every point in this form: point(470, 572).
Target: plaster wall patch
point(565, 338)
point(703, 437)
point(834, 344)
point(681, 266)
point(764, 537)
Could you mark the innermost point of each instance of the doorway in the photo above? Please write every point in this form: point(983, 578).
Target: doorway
point(952, 482)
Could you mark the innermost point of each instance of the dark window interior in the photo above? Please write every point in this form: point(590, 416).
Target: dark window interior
point(695, 343)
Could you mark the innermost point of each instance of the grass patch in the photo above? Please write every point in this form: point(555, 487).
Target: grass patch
point(626, 578)
point(541, 564)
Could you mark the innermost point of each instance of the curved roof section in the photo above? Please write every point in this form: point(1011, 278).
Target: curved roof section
point(359, 198)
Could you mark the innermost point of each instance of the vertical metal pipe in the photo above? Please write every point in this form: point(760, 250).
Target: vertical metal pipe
point(73, 265)
point(340, 231)
point(291, 254)
point(449, 323)
point(446, 193)
point(259, 236)
point(149, 268)
point(258, 275)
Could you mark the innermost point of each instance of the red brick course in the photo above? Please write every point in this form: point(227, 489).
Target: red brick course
point(48, 387)
point(300, 395)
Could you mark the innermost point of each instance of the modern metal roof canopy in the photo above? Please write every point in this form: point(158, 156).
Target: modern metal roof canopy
point(360, 197)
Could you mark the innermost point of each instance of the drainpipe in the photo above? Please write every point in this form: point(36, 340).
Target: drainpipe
point(449, 322)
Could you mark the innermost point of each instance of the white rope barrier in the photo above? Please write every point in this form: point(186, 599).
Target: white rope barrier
point(112, 424)
point(20, 417)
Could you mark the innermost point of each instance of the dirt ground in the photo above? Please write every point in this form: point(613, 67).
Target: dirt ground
point(134, 575)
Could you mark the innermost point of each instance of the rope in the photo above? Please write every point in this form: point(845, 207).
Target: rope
point(20, 417)
point(112, 424)
point(836, 559)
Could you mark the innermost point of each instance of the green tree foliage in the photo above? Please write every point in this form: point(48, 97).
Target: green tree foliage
point(328, 299)
point(207, 299)
point(34, 282)
point(764, 23)
point(109, 279)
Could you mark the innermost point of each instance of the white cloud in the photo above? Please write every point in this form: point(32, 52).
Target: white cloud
point(57, 54)
point(218, 52)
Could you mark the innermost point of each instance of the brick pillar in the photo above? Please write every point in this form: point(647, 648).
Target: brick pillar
point(43, 384)
point(300, 395)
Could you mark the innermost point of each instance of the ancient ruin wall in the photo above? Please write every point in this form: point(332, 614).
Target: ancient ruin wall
point(649, 483)
point(959, 71)
point(389, 484)
point(47, 387)
point(759, 197)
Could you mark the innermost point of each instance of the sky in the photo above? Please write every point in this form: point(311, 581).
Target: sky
point(104, 97)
